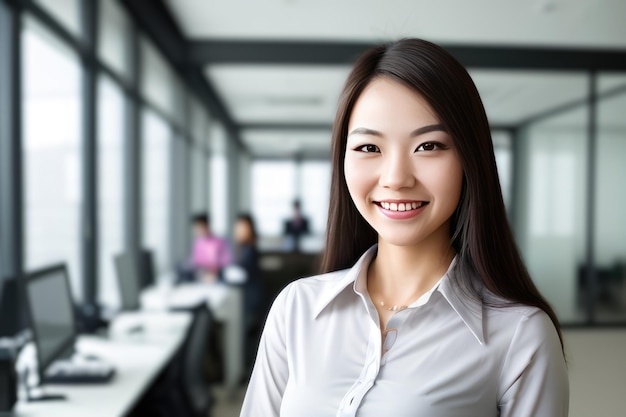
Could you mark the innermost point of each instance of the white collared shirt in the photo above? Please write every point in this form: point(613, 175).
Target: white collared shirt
point(447, 355)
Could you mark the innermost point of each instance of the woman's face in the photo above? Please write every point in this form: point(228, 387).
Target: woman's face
point(243, 231)
point(401, 168)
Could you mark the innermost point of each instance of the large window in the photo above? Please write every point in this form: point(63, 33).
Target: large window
point(502, 147)
point(110, 187)
point(67, 12)
point(314, 191)
point(198, 167)
point(113, 36)
point(156, 149)
point(52, 152)
point(220, 203)
point(157, 81)
point(199, 178)
point(276, 185)
point(273, 192)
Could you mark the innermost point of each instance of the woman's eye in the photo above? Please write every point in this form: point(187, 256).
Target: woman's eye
point(368, 148)
point(429, 146)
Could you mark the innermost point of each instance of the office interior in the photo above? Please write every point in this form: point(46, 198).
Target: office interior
point(120, 119)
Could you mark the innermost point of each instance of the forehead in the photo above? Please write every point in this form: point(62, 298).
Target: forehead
point(386, 103)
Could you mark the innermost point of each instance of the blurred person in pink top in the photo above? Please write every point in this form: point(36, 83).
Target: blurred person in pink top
point(209, 253)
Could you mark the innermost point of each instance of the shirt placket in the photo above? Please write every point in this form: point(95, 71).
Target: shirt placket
point(353, 398)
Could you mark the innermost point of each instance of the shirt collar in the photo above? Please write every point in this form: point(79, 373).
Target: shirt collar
point(469, 309)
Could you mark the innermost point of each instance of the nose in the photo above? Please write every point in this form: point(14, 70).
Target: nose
point(397, 172)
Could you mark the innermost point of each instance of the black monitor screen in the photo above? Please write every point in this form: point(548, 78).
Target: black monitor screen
point(146, 263)
point(9, 320)
point(52, 314)
point(128, 280)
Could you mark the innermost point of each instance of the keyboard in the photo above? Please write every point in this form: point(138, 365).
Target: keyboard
point(88, 372)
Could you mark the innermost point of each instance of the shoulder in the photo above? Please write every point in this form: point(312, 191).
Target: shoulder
point(520, 319)
point(514, 314)
point(309, 292)
point(314, 284)
point(524, 333)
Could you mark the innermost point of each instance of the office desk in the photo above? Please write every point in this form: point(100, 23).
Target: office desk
point(225, 302)
point(138, 359)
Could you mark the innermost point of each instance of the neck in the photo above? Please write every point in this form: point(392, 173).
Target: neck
point(401, 274)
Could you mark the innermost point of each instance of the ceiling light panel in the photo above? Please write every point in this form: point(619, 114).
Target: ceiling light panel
point(283, 143)
point(279, 94)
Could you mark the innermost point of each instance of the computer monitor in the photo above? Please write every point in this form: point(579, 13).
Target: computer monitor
point(128, 279)
point(146, 268)
point(9, 320)
point(51, 309)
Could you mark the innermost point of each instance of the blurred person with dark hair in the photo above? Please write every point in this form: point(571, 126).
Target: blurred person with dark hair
point(209, 254)
point(247, 257)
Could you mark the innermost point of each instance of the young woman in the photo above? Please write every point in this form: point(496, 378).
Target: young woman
point(247, 257)
point(426, 308)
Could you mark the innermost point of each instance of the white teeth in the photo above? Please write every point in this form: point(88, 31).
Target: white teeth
point(401, 206)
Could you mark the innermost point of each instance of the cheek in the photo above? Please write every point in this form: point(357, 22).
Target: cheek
point(360, 183)
point(445, 180)
point(354, 180)
point(451, 185)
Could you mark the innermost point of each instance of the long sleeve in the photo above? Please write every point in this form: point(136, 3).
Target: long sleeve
point(270, 374)
point(534, 379)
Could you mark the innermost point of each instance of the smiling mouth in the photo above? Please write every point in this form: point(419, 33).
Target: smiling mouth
point(408, 206)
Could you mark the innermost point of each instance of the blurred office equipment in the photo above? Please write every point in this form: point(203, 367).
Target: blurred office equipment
point(9, 343)
point(8, 308)
point(193, 379)
point(139, 363)
point(8, 379)
point(55, 330)
point(183, 389)
point(224, 301)
point(146, 268)
point(128, 279)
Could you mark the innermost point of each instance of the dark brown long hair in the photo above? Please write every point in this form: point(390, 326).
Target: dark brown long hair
point(480, 232)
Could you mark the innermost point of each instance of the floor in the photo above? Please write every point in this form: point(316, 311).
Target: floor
point(597, 365)
point(225, 406)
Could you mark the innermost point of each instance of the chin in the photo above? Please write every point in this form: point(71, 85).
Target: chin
point(399, 240)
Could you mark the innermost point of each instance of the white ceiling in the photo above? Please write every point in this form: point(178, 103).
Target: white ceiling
point(594, 23)
point(297, 94)
point(279, 93)
point(287, 143)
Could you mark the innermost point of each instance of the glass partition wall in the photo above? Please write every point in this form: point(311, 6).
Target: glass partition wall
point(609, 289)
point(569, 195)
point(551, 196)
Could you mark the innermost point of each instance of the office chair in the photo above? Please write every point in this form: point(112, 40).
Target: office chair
point(194, 384)
point(182, 389)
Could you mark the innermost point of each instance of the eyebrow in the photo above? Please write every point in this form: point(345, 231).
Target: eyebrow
point(416, 132)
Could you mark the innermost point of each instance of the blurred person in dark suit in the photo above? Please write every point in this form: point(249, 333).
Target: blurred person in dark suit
point(295, 227)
